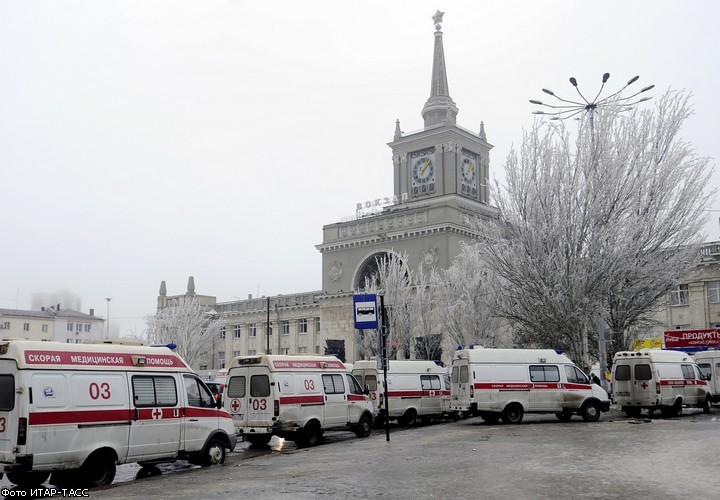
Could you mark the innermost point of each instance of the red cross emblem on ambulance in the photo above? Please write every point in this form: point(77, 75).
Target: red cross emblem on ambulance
point(235, 405)
point(157, 414)
point(432, 393)
point(644, 385)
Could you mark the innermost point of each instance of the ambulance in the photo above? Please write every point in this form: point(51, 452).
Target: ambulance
point(417, 389)
point(507, 383)
point(297, 397)
point(79, 410)
point(709, 364)
point(658, 379)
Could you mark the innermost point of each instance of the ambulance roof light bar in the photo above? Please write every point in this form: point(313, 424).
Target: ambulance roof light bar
point(171, 346)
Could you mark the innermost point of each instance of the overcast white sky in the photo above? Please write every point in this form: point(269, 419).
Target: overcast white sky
point(143, 141)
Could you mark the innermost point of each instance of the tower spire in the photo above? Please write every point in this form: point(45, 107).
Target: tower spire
point(439, 107)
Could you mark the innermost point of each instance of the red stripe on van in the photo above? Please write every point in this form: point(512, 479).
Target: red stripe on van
point(35, 357)
point(683, 382)
point(192, 411)
point(581, 387)
point(404, 394)
point(80, 417)
point(504, 386)
point(356, 397)
point(299, 400)
point(525, 386)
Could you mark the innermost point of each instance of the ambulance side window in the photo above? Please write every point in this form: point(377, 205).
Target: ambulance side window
point(371, 382)
point(643, 372)
point(688, 373)
point(542, 373)
point(622, 372)
point(259, 386)
point(7, 392)
point(447, 381)
point(571, 375)
point(154, 391)
point(353, 385)
point(430, 382)
point(705, 370)
point(575, 375)
point(198, 395)
point(236, 387)
point(333, 384)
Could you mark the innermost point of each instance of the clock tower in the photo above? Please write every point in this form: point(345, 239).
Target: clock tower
point(443, 158)
point(440, 178)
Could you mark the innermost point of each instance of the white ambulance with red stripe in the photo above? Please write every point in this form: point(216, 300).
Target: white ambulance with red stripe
point(416, 389)
point(78, 410)
point(658, 379)
point(507, 383)
point(297, 397)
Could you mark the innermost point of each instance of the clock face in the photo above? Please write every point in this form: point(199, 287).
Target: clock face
point(468, 169)
point(469, 174)
point(423, 174)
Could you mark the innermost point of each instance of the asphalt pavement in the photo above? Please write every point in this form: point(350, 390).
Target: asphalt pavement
point(616, 457)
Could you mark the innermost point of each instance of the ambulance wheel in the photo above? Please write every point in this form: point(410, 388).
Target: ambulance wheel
point(565, 415)
point(512, 414)
point(408, 419)
point(364, 428)
point(214, 454)
point(28, 479)
point(590, 411)
point(308, 436)
point(706, 405)
point(489, 417)
point(673, 411)
point(98, 470)
point(258, 440)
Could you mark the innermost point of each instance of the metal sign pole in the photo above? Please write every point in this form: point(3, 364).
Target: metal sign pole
point(383, 329)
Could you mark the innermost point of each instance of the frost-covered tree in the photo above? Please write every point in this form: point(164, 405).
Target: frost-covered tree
point(187, 324)
point(426, 325)
point(394, 281)
point(599, 226)
point(466, 301)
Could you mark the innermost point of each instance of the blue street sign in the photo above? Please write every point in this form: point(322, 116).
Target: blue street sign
point(366, 311)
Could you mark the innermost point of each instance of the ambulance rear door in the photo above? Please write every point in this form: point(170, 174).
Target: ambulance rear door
point(259, 402)
point(461, 383)
point(9, 409)
point(633, 382)
point(432, 397)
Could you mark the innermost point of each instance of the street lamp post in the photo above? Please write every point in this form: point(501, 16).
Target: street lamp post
point(567, 108)
point(107, 325)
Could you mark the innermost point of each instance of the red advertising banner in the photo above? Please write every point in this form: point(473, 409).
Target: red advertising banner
point(691, 338)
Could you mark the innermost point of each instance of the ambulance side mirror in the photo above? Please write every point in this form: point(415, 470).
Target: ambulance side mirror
point(366, 390)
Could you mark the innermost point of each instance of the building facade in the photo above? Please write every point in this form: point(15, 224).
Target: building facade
point(52, 323)
point(695, 303)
